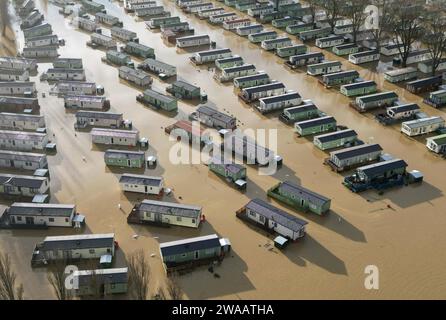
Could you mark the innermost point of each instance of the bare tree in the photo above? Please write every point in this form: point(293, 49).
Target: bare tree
point(313, 6)
point(173, 287)
point(435, 33)
point(381, 32)
point(56, 277)
point(159, 295)
point(139, 275)
point(355, 11)
point(4, 17)
point(334, 10)
point(405, 25)
point(8, 288)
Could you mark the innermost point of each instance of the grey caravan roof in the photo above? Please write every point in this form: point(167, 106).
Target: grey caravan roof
point(275, 214)
point(230, 59)
point(212, 52)
point(252, 26)
point(41, 209)
point(264, 87)
point(381, 167)
point(346, 46)
point(303, 108)
point(24, 156)
point(336, 135)
point(112, 153)
point(18, 100)
point(170, 208)
point(315, 122)
point(378, 96)
point(302, 192)
point(215, 114)
point(365, 53)
point(239, 68)
point(356, 151)
point(253, 77)
point(405, 107)
point(358, 85)
point(263, 33)
point(282, 97)
point(189, 245)
point(185, 85)
point(79, 242)
point(159, 96)
point(342, 74)
point(108, 276)
point(140, 179)
point(98, 114)
point(22, 181)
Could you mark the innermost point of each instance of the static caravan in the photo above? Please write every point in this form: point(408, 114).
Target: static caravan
point(141, 183)
point(14, 75)
point(229, 62)
point(400, 75)
point(314, 34)
point(288, 51)
point(359, 88)
point(300, 198)
point(422, 126)
point(197, 7)
point(324, 68)
point(184, 90)
point(436, 99)
point(344, 159)
point(140, 4)
point(416, 56)
point(222, 17)
point(186, 130)
point(76, 88)
point(86, 24)
point(104, 41)
point(198, 250)
point(211, 55)
point(403, 111)
point(335, 139)
point(193, 41)
point(111, 281)
point(314, 126)
point(364, 57)
point(92, 6)
point(279, 102)
point(68, 63)
point(42, 214)
point(85, 246)
point(151, 11)
point(176, 27)
point(306, 111)
point(41, 52)
point(23, 160)
point(165, 213)
point(299, 27)
point(25, 186)
point(98, 119)
point(228, 74)
point(25, 7)
point(263, 35)
point(345, 49)
point(232, 172)
point(437, 144)
point(107, 19)
point(276, 43)
point(117, 58)
point(185, 3)
point(266, 90)
point(247, 30)
point(139, 50)
point(251, 80)
point(236, 23)
point(19, 105)
point(114, 137)
point(42, 41)
point(158, 67)
point(85, 102)
point(245, 5)
point(124, 158)
point(330, 41)
point(158, 22)
point(56, 74)
point(215, 119)
point(270, 16)
point(300, 60)
point(17, 88)
point(158, 100)
point(19, 122)
point(340, 78)
point(376, 100)
point(40, 30)
point(18, 63)
point(123, 34)
point(23, 141)
point(273, 219)
point(426, 66)
point(425, 84)
point(33, 19)
point(137, 77)
point(284, 22)
point(260, 9)
point(392, 49)
point(206, 13)
point(343, 29)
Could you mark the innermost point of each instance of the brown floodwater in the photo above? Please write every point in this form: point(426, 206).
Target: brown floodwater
point(400, 231)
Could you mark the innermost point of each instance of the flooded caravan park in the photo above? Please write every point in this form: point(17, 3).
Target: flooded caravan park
point(400, 231)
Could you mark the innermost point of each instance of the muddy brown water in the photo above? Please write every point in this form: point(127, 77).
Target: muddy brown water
point(401, 231)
